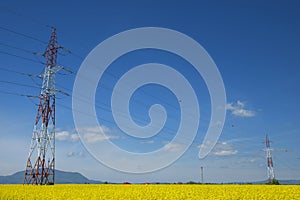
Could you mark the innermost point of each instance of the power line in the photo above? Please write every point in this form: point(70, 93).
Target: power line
point(103, 86)
point(21, 16)
point(117, 78)
point(67, 107)
point(74, 54)
point(78, 56)
point(31, 76)
point(21, 57)
point(16, 72)
point(161, 136)
point(23, 35)
point(31, 37)
point(18, 48)
point(19, 84)
point(14, 93)
point(167, 131)
point(105, 107)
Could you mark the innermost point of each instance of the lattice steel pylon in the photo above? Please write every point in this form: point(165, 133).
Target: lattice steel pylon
point(270, 169)
point(40, 167)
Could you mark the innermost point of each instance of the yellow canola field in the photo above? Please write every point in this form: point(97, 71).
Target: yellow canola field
point(159, 191)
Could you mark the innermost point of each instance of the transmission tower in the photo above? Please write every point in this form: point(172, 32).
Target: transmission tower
point(270, 170)
point(40, 167)
point(202, 175)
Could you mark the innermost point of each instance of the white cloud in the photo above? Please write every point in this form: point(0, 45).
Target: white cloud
point(173, 147)
point(90, 135)
point(74, 137)
point(93, 135)
point(205, 146)
point(75, 154)
point(63, 135)
point(261, 165)
point(92, 138)
point(225, 152)
point(148, 142)
point(66, 136)
point(238, 109)
point(221, 149)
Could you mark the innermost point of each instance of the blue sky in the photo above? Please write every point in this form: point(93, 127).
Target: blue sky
point(254, 44)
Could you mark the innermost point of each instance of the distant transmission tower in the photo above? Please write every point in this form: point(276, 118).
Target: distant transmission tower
point(40, 167)
point(270, 170)
point(202, 181)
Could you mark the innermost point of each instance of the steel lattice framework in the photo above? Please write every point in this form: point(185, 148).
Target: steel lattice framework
point(40, 167)
point(270, 170)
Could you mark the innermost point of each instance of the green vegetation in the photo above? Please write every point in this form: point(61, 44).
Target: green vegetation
point(274, 182)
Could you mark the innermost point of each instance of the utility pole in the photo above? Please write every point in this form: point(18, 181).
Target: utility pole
point(40, 166)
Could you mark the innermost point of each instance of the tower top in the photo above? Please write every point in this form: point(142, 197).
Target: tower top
point(51, 50)
point(267, 141)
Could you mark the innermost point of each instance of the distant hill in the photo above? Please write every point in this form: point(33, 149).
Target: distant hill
point(60, 177)
point(283, 182)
